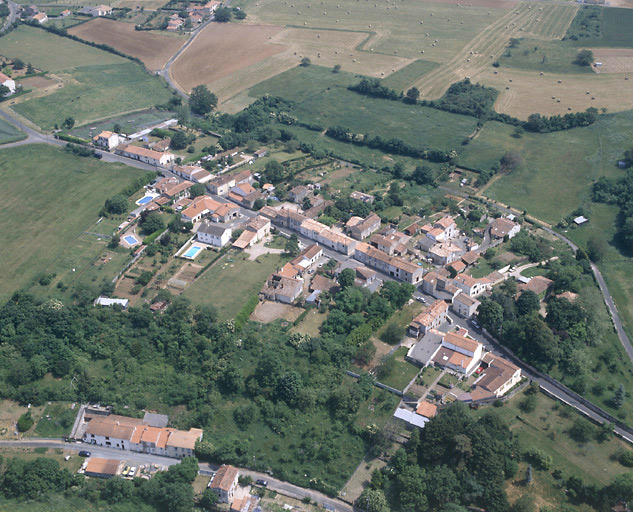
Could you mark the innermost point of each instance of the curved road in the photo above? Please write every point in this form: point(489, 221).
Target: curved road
point(285, 488)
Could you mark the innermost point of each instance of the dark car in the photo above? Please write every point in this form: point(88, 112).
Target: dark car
point(98, 156)
point(84, 453)
point(261, 482)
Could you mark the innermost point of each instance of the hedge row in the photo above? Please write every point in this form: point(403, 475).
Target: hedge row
point(245, 313)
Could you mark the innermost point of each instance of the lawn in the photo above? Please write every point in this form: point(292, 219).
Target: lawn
point(234, 272)
point(129, 123)
point(322, 98)
point(88, 92)
point(400, 372)
point(402, 79)
point(9, 133)
point(56, 420)
point(58, 202)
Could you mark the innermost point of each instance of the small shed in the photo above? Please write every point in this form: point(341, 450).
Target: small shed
point(581, 220)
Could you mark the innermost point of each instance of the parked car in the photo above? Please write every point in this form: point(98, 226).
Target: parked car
point(261, 482)
point(132, 472)
point(84, 453)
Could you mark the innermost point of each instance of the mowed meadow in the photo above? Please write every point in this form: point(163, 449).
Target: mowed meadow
point(43, 218)
point(90, 84)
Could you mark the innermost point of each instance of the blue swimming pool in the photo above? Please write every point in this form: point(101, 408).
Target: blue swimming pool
point(192, 252)
point(131, 240)
point(144, 200)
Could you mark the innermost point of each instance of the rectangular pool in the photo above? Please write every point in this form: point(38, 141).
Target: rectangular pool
point(192, 252)
point(144, 200)
point(131, 240)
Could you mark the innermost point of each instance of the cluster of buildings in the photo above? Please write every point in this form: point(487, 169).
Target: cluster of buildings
point(196, 13)
point(147, 435)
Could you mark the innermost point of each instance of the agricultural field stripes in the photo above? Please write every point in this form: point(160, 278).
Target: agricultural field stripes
point(490, 43)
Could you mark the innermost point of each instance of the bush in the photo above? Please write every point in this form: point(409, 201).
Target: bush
point(539, 458)
point(626, 458)
point(392, 334)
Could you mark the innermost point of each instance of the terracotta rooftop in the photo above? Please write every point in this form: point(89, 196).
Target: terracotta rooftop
point(224, 478)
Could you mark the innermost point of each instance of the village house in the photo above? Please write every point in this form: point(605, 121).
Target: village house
point(361, 196)
point(536, 284)
point(434, 316)
point(108, 140)
point(360, 228)
point(65, 13)
point(40, 17)
point(465, 305)
point(470, 258)
point(107, 301)
point(254, 231)
point(175, 24)
point(412, 230)
point(205, 206)
point(149, 156)
point(458, 353)
point(445, 253)
point(224, 483)
point(245, 195)
point(500, 228)
point(442, 230)
point(497, 377)
point(214, 234)
point(221, 185)
point(298, 194)
point(456, 266)
point(439, 285)
point(102, 468)
point(193, 173)
point(393, 266)
point(472, 286)
point(326, 236)
point(302, 263)
point(282, 289)
point(426, 409)
point(7, 82)
point(173, 188)
point(97, 10)
point(391, 243)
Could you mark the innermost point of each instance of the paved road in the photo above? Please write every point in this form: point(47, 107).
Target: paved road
point(13, 14)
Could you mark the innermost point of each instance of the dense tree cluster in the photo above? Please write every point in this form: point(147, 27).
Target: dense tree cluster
point(619, 192)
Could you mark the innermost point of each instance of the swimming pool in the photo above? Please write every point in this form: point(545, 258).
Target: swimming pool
point(192, 252)
point(144, 200)
point(131, 240)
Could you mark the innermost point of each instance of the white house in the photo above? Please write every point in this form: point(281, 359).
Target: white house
point(148, 156)
point(465, 305)
point(471, 286)
point(500, 228)
point(214, 234)
point(224, 483)
point(434, 316)
point(107, 139)
point(497, 377)
point(105, 301)
point(7, 82)
point(40, 17)
point(458, 353)
point(97, 10)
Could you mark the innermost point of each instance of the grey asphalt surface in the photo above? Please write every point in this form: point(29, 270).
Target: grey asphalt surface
point(285, 488)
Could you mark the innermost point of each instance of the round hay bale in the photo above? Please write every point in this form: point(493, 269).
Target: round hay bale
point(593, 97)
point(568, 108)
point(353, 60)
point(553, 97)
point(467, 60)
point(557, 101)
point(496, 72)
point(421, 51)
point(507, 88)
point(560, 82)
point(541, 73)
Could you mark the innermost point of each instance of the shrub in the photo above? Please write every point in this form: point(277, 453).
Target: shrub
point(626, 458)
point(539, 458)
point(25, 422)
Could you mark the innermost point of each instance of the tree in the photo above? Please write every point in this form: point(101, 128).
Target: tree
point(18, 64)
point(259, 204)
point(68, 123)
point(392, 334)
point(423, 175)
point(116, 205)
point(289, 386)
point(346, 278)
point(25, 422)
point(413, 95)
point(179, 140)
point(511, 160)
point(524, 504)
point(292, 245)
point(305, 62)
point(202, 101)
point(223, 14)
point(582, 431)
point(584, 58)
point(208, 500)
point(274, 172)
point(528, 303)
point(336, 68)
point(239, 14)
point(596, 248)
point(490, 315)
point(117, 128)
point(618, 398)
point(151, 222)
point(372, 500)
point(197, 190)
point(4, 90)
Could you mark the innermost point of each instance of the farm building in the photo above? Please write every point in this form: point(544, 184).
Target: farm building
point(102, 468)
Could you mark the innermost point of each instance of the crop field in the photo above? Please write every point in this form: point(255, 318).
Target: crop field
point(70, 190)
point(545, 22)
point(524, 92)
point(614, 60)
point(221, 50)
point(402, 79)
point(153, 49)
point(9, 133)
point(616, 28)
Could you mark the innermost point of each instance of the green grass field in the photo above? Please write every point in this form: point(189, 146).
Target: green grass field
point(407, 76)
point(236, 273)
point(546, 56)
point(96, 84)
point(130, 123)
point(613, 26)
point(571, 159)
point(402, 373)
point(9, 133)
point(322, 98)
point(43, 218)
